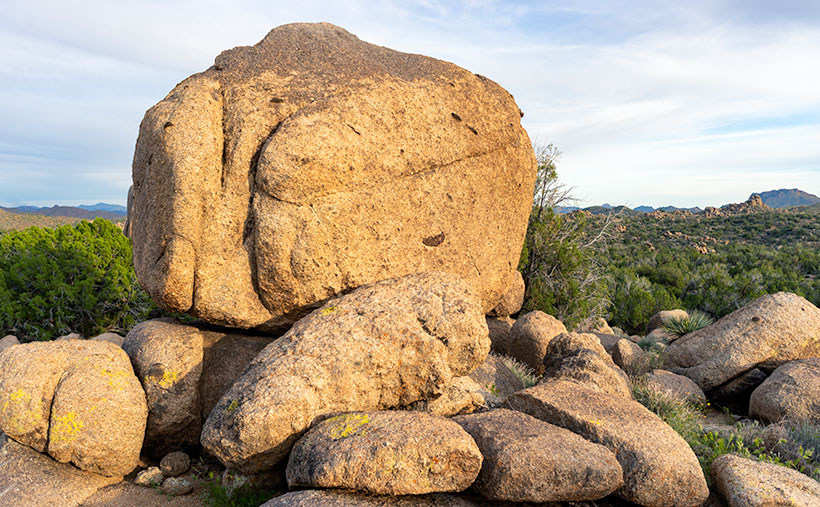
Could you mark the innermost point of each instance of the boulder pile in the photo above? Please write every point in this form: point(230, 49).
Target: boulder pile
point(329, 212)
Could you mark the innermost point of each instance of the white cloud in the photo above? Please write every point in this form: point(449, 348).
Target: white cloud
point(653, 102)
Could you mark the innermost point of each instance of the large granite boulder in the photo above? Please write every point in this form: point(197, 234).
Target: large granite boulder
point(768, 332)
point(77, 400)
point(382, 346)
point(313, 163)
point(743, 482)
point(529, 337)
point(580, 358)
point(385, 453)
point(528, 460)
point(185, 370)
point(791, 392)
point(659, 467)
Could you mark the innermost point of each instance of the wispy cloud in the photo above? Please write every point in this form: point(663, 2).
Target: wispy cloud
point(652, 101)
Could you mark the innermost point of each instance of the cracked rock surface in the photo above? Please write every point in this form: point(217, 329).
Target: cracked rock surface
point(312, 163)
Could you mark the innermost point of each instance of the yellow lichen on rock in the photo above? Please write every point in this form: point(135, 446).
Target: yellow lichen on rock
point(66, 428)
point(168, 379)
point(348, 425)
point(116, 378)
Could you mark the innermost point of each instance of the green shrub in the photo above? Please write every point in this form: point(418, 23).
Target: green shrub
point(680, 326)
point(801, 447)
point(217, 494)
point(72, 279)
point(557, 261)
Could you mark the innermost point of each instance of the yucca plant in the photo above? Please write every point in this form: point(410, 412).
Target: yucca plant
point(680, 326)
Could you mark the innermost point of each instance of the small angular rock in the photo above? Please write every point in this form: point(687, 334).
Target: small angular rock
point(174, 464)
point(151, 476)
point(499, 329)
point(176, 486)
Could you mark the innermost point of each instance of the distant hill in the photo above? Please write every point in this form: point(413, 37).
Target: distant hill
point(18, 221)
point(814, 209)
point(68, 211)
point(672, 209)
point(645, 209)
point(606, 209)
point(787, 197)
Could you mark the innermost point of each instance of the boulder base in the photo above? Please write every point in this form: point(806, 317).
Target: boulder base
point(380, 347)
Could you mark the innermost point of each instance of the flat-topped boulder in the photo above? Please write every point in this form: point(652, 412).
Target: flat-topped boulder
point(382, 346)
point(743, 482)
point(312, 163)
point(766, 333)
point(385, 453)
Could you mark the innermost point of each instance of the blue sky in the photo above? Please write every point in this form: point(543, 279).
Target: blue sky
point(652, 102)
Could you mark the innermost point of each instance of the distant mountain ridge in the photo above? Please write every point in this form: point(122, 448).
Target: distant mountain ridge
point(101, 206)
point(111, 212)
point(787, 197)
point(783, 198)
